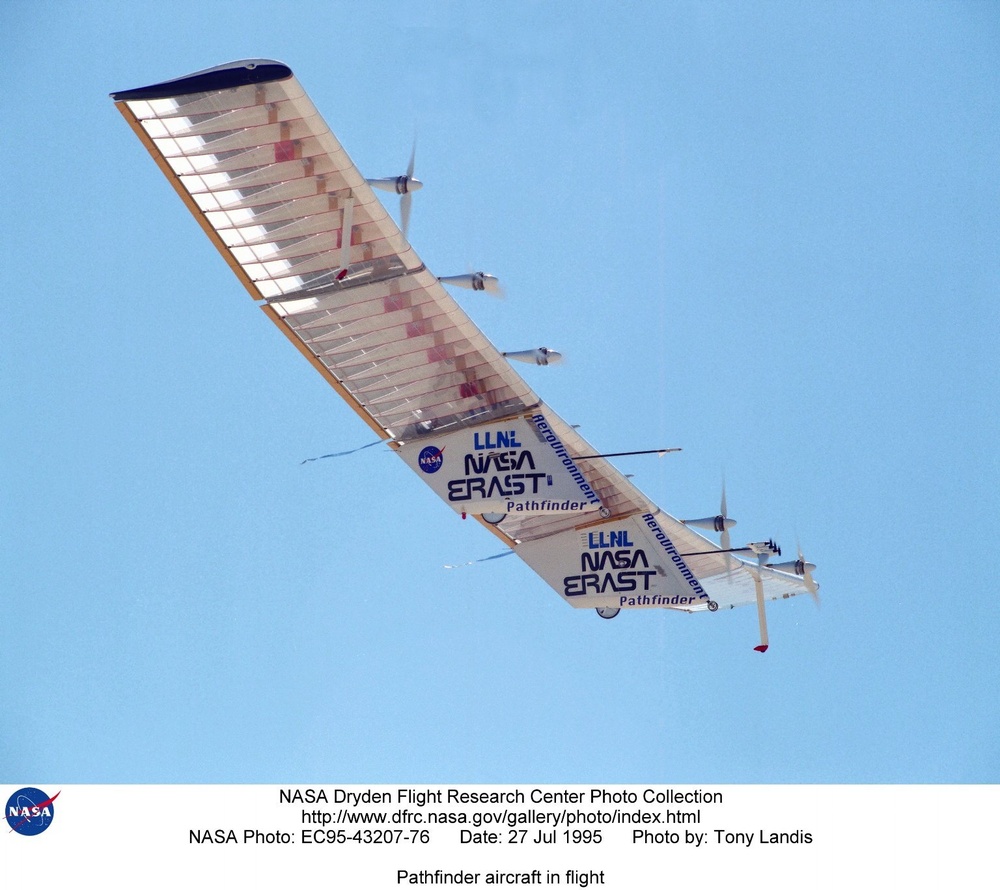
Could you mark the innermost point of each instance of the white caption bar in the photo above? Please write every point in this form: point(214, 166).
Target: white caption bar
point(577, 836)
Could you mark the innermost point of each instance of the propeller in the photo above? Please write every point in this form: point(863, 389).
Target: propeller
point(720, 523)
point(803, 569)
point(541, 356)
point(811, 585)
point(404, 186)
point(726, 541)
point(409, 185)
point(475, 281)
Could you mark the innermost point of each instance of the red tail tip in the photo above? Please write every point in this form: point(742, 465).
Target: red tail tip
point(760, 648)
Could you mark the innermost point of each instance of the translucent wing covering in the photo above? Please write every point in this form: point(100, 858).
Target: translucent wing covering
point(304, 233)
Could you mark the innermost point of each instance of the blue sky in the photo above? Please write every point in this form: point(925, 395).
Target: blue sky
point(766, 233)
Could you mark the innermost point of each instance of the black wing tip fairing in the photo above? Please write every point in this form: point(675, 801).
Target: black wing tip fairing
point(222, 77)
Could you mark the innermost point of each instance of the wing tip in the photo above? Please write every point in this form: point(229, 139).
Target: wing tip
point(221, 77)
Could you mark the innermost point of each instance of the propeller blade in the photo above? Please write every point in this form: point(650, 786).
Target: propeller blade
point(726, 540)
point(811, 585)
point(404, 186)
point(406, 199)
point(405, 202)
point(727, 544)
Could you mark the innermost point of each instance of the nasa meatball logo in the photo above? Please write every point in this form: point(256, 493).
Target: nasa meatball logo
point(430, 459)
point(30, 811)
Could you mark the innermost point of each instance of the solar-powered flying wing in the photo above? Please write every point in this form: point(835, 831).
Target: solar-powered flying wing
point(305, 235)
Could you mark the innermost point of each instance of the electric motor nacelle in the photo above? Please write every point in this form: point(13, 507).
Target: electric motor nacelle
point(541, 356)
point(799, 567)
point(401, 185)
point(474, 281)
point(718, 523)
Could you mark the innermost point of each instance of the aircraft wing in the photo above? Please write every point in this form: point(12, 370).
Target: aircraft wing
point(304, 233)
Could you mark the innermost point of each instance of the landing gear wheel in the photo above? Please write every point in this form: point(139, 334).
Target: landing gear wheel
point(608, 612)
point(494, 518)
point(713, 606)
point(605, 513)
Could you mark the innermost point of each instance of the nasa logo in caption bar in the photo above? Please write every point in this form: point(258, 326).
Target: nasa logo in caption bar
point(30, 811)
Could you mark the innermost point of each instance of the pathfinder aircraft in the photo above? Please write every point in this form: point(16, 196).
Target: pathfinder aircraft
point(304, 233)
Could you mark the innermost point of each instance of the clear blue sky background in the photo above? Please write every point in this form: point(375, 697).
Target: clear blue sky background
point(767, 233)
